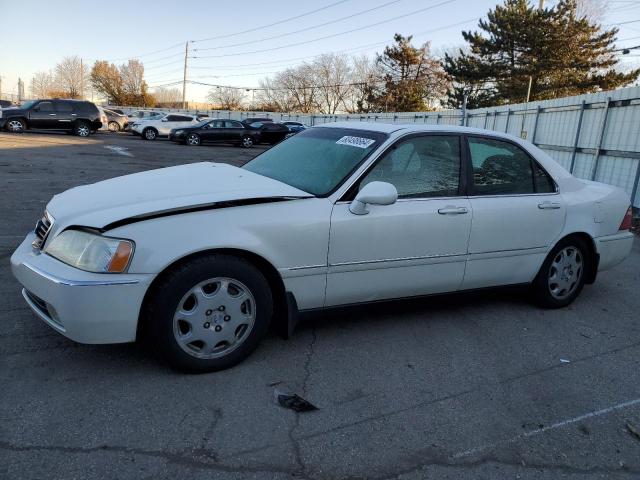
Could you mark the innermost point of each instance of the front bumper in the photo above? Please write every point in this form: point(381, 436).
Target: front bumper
point(177, 137)
point(85, 307)
point(613, 249)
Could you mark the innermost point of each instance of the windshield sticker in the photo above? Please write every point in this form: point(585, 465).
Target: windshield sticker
point(355, 141)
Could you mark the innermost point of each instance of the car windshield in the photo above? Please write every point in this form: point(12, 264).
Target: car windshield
point(317, 160)
point(28, 104)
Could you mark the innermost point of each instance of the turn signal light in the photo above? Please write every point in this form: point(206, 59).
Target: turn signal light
point(120, 259)
point(627, 221)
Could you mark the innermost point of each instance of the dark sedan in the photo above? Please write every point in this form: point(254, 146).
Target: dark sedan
point(270, 132)
point(216, 131)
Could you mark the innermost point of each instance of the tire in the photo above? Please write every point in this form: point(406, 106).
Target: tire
point(211, 332)
point(17, 125)
point(247, 141)
point(82, 129)
point(193, 139)
point(563, 273)
point(149, 133)
point(113, 127)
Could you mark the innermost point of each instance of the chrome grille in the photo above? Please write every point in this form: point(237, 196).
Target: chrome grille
point(42, 230)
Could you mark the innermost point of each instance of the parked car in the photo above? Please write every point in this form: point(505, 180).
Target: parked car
point(250, 120)
point(270, 132)
point(139, 115)
point(215, 131)
point(200, 257)
point(161, 127)
point(103, 120)
point(77, 116)
point(295, 126)
point(116, 121)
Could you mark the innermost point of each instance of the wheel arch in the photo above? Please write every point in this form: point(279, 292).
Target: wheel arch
point(25, 121)
point(266, 268)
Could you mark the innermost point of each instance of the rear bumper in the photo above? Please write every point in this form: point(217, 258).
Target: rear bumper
point(613, 249)
point(85, 307)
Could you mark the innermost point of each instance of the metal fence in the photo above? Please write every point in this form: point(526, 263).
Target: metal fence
point(594, 136)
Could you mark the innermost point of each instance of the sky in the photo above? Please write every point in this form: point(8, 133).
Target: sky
point(228, 39)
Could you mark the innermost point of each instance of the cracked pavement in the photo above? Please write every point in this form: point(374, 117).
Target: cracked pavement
point(463, 386)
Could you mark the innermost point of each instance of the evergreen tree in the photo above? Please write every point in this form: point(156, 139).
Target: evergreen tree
point(562, 53)
point(413, 79)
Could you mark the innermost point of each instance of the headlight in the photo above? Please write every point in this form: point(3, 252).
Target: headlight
point(91, 252)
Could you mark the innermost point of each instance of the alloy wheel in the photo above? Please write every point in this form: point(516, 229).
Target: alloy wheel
point(193, 139)
point(247, 142)
point(565, 272)
point(214, 318)
point(15, 126)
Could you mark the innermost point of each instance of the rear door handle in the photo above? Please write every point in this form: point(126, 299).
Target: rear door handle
point(451, 210)
point(548, 206)
point(52, 114)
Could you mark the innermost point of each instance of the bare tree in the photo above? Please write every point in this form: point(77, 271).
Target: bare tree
point(167, 95)
point(132, 74)
point(227, 98)
point(594, 10)
point(365, 80)
point(42, 84)
point(71, 77)
point(332, 74)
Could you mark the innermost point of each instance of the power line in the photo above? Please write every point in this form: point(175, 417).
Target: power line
point(271, 24)
point(312, 27)
point(622, 23)
point(330, 36)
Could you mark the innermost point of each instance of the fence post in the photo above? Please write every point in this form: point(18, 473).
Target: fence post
point(535, 125)
point(486, 117)
point(600, 140)
point(506, 126)
point(438, 119)
point(577, 139)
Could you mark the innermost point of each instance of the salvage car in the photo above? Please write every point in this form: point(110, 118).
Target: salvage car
point(215, 131)
point(73, 116)
point(199, 259)
point(162, 126)
point(270, 132)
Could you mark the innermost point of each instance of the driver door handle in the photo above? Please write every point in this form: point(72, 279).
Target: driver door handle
point(548, 206)
point(451, 210)
point(52, 114)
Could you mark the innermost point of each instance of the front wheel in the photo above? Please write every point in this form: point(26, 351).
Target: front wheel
point(150, 134)
point(209, 313)
point(247, 141)
point(114, 127)
point(193, 139)
point(562, 275)
point(16, 126)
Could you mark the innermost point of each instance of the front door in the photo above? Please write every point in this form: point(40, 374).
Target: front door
point(43, 115)
point(517, 214)
point(416, 246)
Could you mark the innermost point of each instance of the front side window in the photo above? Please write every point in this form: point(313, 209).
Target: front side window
point(317, 160)
point(232, 124)
point(502, 168)
point(45, 107)
point(426, 166)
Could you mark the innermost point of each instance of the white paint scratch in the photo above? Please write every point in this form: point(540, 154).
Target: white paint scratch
point(119, 150)
point(539, 431)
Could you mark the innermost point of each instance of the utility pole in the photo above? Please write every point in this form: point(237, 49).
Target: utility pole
point(540, 7)
point(184, 76)
point(81, 80)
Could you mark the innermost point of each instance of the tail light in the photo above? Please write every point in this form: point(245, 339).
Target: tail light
point(627, 221)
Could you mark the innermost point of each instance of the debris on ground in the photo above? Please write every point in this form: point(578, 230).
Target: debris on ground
point(294, 402)
point(633, 430)
point(564, 360)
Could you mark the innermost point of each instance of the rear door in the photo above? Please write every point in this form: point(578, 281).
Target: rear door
point(65, 114)
point(517, 214)
point(173, 121)
point(233, 131)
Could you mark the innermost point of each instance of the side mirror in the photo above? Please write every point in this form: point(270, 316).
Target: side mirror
point(164, 119)
point(374, 193)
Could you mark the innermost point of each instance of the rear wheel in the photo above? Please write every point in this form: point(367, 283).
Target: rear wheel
point(16, 126)
point(247, 141)
point(193, 139)
point(114, 127)
point(209, 313)
point(149, 134)
point(562, 275)
point(82, 129)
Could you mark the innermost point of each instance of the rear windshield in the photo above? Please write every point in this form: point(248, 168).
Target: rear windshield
point(317, 160)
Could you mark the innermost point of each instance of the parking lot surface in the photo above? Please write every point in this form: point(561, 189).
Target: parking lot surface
point(476, 385)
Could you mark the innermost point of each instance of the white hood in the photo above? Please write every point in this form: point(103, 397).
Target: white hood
point(155, 191)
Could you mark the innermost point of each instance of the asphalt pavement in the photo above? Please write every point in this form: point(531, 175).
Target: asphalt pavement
point(480, 385)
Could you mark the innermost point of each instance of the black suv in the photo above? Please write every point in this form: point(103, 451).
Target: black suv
point(76, 116)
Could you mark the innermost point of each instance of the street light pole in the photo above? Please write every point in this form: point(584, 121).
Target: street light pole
point(184, 76)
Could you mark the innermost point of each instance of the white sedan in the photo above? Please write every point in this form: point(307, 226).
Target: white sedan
point(162, 126)
point(200, 258)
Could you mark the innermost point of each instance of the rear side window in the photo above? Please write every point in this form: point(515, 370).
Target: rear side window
point(426, 166)
point(178, 118)
point(232, 124)
point(502, 168)
point(64, 107)
point(45, 107)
